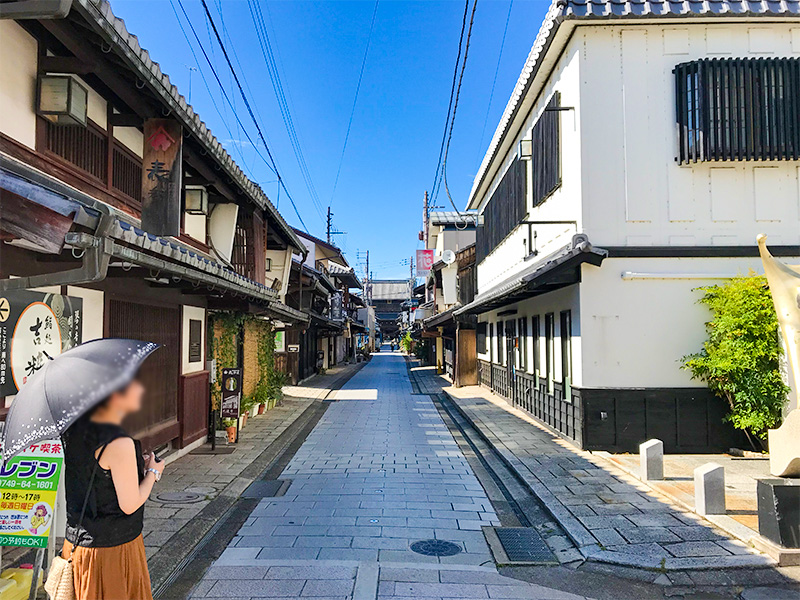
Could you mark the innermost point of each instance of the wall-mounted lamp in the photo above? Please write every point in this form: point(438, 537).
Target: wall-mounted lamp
point(62, 100)
point(196, 200)
point(525, 149)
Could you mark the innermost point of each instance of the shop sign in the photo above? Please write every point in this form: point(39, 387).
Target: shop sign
point(280, 341)
point(28, 486)
point(294, 347)
point(424, 262)
point(336, 307)
point(231, 393)
point(162, 177)
point(33, 327)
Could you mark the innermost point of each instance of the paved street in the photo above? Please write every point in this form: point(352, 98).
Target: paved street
point(379, 472)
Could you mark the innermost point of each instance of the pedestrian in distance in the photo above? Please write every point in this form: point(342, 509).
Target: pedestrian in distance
point(84, 395)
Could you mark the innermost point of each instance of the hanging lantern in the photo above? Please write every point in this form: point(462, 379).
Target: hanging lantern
point(196, 200)
point(62, 100)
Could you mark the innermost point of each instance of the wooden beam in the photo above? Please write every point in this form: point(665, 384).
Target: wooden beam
point(65, 64)
point(33, 222)
point(125, 120)
point(196, 162)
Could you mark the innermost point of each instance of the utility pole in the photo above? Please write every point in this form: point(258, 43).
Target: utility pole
point(329, 230)
point(425, 221)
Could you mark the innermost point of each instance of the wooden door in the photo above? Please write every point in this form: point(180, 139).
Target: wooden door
point(466, 358)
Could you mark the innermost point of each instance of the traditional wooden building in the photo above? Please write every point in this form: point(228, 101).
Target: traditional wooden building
point(122, 215)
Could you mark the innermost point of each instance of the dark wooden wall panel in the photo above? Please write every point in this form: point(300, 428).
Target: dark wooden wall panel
point(193, 407)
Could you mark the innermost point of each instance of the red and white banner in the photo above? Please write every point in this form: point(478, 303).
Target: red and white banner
point(424, 262)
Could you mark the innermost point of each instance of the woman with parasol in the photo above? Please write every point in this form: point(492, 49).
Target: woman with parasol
point(84, 395)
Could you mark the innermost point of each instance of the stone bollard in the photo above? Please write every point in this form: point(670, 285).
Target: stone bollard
point(709, 489)
point(651, 457)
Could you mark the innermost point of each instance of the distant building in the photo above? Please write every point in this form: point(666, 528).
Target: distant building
point(388, 296)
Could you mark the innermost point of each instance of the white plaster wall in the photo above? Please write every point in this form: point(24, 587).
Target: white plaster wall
point(195, 226)
point(563, 204)
point(93, 307)
point(567, 298)
point(636, 330)
point(280, 263)
point(131, 138)
point(634, 191)
point(96, 107)
point(222, 229)
point(198, 313)
point(18, 65)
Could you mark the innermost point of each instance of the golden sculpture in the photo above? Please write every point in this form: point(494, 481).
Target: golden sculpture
point(784, 284)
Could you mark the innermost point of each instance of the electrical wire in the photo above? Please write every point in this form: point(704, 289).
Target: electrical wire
point(355, 101)
point(494, 80)
point(450, 103)
point(272, 69)
point(272, 166)
point(455, 108)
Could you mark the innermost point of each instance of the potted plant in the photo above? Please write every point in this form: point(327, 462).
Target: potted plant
point(230, 429)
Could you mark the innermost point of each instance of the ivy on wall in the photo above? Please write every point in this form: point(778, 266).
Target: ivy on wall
point(223, 348)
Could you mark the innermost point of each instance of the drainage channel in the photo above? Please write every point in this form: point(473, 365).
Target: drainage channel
point(267, 467)
point(528, 534)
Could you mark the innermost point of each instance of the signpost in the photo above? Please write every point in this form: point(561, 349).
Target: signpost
point(33, 326)
point(231, 395)
point(28, 488)
point(162, 176)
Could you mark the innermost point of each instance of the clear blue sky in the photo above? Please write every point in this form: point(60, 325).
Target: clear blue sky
point(399, 119)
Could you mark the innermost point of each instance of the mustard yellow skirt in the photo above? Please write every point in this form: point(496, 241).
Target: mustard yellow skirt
point(116, 573)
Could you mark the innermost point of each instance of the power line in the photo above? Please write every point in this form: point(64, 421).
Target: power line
point(355, 101)
point(272, 69)
point(272, 166)
point(494, 80)
point(450, 103)
point(455, 107)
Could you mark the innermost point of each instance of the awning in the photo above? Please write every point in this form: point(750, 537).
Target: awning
point(346, 276)
point(443, 318)
point(558, 270)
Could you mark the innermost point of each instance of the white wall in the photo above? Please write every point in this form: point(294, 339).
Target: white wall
point(222, 229)
point(636, 330)
point(565, 202)
point(195, 226)
point(18, 66)
point(199, 314)
point(634, 191)
point(131, 138)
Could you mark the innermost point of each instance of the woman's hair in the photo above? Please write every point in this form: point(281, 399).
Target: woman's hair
point(42, 508)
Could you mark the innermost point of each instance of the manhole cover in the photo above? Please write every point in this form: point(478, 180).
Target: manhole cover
point(518, 545)
point(180, 497)
point(436, 548)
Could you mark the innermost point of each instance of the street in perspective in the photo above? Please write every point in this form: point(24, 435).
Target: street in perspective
point(249, 349)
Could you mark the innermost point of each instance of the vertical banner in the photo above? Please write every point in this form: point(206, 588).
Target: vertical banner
point(28, 486)
point(424, 262)
point(33, 326)
point(162, 177)
point(231, 393)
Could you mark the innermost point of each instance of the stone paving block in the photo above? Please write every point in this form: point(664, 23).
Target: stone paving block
point(236, 573)
point(323, 541)
point(639, 535)
point(687, 549)
point(256, 589)
point(392, 574)
point(327, 587)
point(288, 553)
point(441, 590)
point(381, 543)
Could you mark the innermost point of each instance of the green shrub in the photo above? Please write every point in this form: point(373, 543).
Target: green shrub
point(740, 361)
point(407, 343)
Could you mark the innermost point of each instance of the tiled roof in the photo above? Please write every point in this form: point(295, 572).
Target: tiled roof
point(589, 10)
point(451, 217)
point(98, 14)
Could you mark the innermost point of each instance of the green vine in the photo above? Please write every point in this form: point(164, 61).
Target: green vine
point(225, 328)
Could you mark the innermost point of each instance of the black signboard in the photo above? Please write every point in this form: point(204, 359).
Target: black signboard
point(195, 340)
point(33, 326)
point(231, 393)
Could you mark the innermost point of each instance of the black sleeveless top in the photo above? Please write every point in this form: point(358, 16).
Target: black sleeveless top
point(104, 523)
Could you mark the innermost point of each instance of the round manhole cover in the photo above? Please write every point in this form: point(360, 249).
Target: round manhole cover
point(180, 497)
point(436, 548)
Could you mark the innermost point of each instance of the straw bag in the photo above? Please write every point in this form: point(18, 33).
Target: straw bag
point(60, 584)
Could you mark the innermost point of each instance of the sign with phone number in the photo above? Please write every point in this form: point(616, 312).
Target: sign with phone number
point(28, 486)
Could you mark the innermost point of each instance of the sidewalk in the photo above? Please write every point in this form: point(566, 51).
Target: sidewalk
point(199, 487)
point(610, 515)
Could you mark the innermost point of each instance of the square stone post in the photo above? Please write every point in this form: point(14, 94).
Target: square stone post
point(709, 489)
point(651, 457)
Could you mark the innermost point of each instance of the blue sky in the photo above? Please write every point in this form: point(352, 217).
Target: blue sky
point(397, 129)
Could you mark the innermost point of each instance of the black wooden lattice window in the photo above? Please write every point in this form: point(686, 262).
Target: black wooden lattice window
point(566, 345)
point(738, 109)
point(549, 350)
point(505, 209)
point(546, 159)
point(500, 344)
point(536, 332)
point(480, 338)
point(523, 344)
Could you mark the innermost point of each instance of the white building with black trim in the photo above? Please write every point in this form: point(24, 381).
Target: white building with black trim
point(645, 145)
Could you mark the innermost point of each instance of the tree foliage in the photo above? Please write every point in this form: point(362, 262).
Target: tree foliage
point(740, 360)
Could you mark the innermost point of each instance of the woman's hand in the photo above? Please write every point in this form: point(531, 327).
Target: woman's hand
point(151, 462)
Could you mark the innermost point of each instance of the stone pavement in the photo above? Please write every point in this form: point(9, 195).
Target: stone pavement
point(609, 514)
point(379, 472)
point(220, 477)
